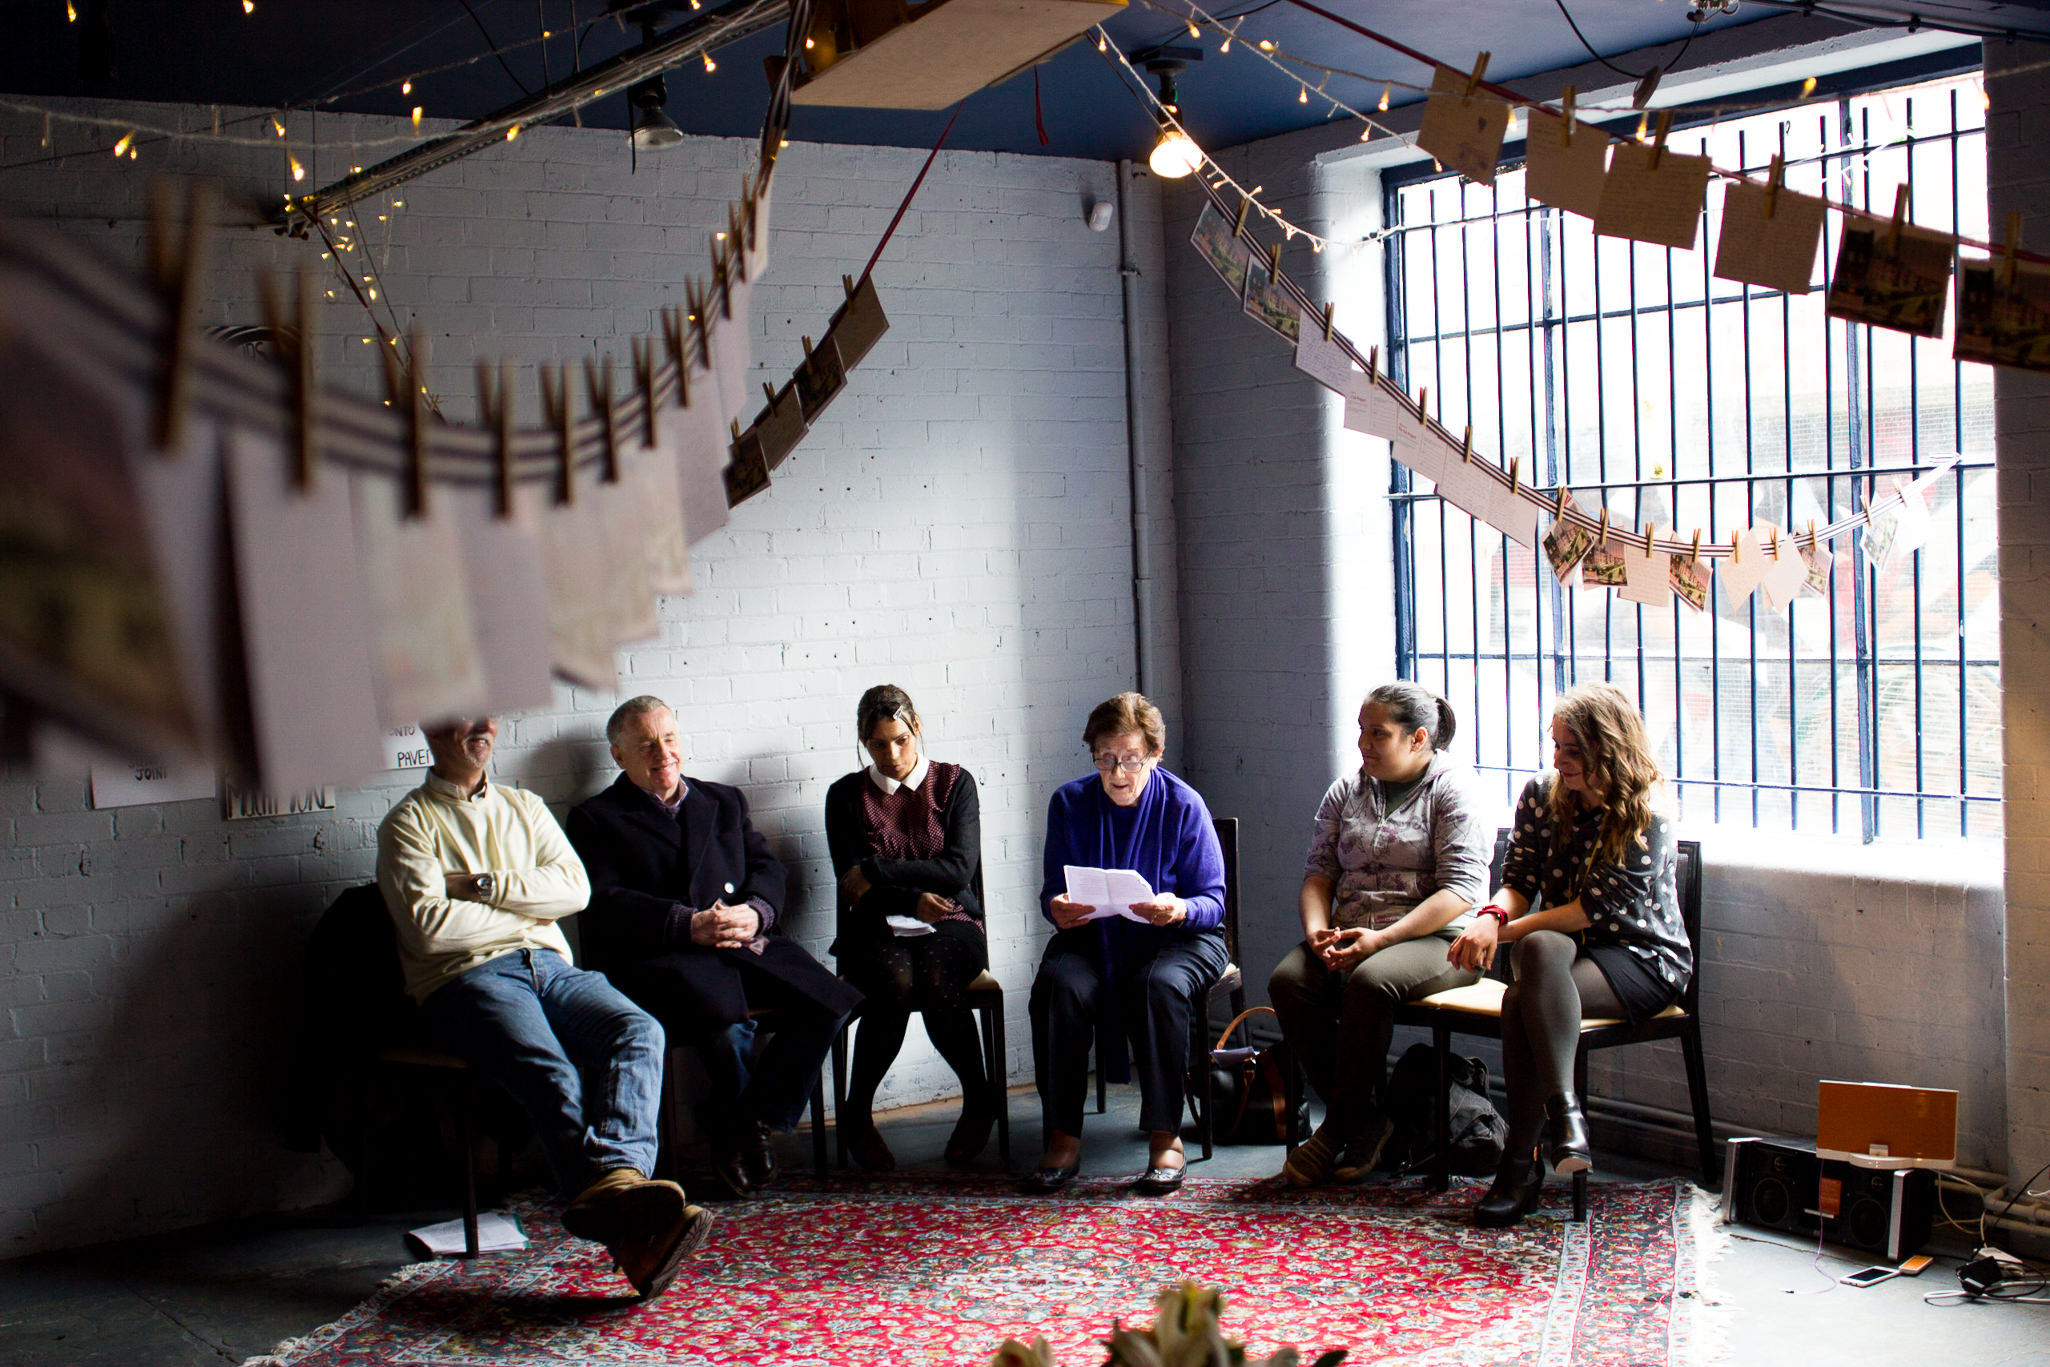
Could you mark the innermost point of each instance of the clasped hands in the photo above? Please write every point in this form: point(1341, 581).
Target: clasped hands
point(854, 886)
point(1165, 909)
point(1339, 949)
point(720, 926)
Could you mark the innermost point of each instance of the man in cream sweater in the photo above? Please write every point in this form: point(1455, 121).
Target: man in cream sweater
point(476, 876)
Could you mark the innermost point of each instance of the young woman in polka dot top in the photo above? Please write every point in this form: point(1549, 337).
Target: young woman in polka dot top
point(1590, 913)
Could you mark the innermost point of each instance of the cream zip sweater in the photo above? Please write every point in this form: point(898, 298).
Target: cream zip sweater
point(437, 830)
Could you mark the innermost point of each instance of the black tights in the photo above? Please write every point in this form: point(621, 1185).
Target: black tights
point(927, 974)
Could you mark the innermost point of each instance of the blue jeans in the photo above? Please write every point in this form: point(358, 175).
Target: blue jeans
point(582, 1061)
point(773, 1087)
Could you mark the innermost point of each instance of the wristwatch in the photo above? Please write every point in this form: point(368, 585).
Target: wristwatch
point(486, 885)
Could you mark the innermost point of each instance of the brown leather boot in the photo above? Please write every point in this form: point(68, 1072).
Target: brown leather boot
point(623, 1204)
point(651, 1262)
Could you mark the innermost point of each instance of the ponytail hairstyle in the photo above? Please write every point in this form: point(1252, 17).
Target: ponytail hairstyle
point(1617, 759)
point(1416, 708)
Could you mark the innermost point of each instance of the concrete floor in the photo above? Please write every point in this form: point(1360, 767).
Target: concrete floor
point(225, 1293)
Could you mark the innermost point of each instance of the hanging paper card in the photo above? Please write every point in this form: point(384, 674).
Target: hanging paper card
point(757, 243)
point(1742, 572)
point(1268, 302)
point(1565, 174)
point(2002, 323)
point(1785, 571)
point(85, 628)
point(1506, 510)
point(1776, 249)
point(305, 622)
point(1900, 286)
point(1323, 359)
point(748, 474)
point(732, 351)
point(780, 427)
point(690, 437)
point(1818, 561)
point(508, 597)
point(1604, 567)
point(1566, 544)
point(819, 379)
point(579, 619)
point(423, 639)
point(1896, 528)
point(629, 595)
point(1371, 409)
point(858, 324)
point(658, 494)
point(1464, 132)
point(1647, 575)
point(1691, 579)
point(1228, 256)
point(1652, 197)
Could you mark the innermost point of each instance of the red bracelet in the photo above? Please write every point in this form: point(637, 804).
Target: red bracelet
point(1500, 913)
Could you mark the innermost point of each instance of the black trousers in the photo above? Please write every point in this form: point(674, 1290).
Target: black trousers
point(1159, 987)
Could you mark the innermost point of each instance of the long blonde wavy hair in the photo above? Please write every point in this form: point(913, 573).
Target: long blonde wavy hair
point(1617, 761)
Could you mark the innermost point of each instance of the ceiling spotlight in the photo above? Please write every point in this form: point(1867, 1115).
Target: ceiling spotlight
point(1176, 154)
point(653, 129)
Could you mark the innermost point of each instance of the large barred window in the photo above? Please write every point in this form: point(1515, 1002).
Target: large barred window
point(1646, 384)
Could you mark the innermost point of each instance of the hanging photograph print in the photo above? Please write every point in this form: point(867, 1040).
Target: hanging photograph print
point(2002, 322)
point(1227, 255)
point(1267, 301)
point(1567, 543)
point(1898, 282)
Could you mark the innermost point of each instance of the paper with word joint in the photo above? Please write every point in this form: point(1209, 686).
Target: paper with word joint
point(1110, 892)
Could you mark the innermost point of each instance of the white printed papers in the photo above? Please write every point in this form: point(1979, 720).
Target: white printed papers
point(907, 927)
point(1647, 572)
point(1743, 570)
point(1110, 891)
point(1323, 359)
point(1785, 570)
point(508, 598)
point(423, 640)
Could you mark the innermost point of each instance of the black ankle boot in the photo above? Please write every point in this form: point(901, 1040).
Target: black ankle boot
point(1519, 1183)
point(1566, 1147)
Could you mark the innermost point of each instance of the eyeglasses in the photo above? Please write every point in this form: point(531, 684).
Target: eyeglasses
point(1106, 763)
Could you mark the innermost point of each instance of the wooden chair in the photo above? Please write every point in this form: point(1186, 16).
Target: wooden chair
point(1477, 1010)
point(1230, 983)
point(457, 1073)
point(764, 1018)
point(985, 997)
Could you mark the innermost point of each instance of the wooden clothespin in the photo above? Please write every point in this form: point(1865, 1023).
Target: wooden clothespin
point(1515, 475)
point(699, 301)
point(181, 276)
point(735, 423)
point(496, 413)
point(1736, 547)
point(1658, 142)
point(1466, 445)
point(1900, 213)
point(1602, 537)
point(769, 393)
point(1245, 205)
point(807, 346)
point(735, 234)
point(1775, 543)
point(1775, 178)
point(644, 380)
point(847, 283)
point(670, 320)
point(1373, 365)
point(1423, 403)
point(1812, 542)
point(1560, 511)
point(1327, 320)
point(1696, 556)
point(555, 403)
point(416, 425)
point(600, 389)
point(1566, 117)
point(1274, 262)
point(2008, 248)
point(1651, 531)
point(1480, 70)
point(295, 353)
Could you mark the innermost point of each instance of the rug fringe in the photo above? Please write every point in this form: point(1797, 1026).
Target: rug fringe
point(1708, 1330)
point(292, 1350)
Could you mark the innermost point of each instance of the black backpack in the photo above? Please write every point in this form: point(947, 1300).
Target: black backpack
point(1477, 1129)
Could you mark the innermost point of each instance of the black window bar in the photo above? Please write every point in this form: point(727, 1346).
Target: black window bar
point(1658, 390)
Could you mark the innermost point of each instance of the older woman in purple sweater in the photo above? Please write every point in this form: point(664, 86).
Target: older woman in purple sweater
point(1152, 973)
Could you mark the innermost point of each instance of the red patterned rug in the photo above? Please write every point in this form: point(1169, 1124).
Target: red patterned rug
point(940, 1271)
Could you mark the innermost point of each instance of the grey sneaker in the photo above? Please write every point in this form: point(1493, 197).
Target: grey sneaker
point(1310, 1164)
point(1362, 1153)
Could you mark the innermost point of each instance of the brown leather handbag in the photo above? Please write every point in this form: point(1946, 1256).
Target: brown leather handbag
point(1250, 1090)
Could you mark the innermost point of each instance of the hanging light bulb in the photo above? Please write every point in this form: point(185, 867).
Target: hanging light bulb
point(1266, 46)
point(277, 126)
point(1102, 42)
point(512, 132)
point(406, 86)
point(1383, 106)
point(127, 141)
point(249, 6)
point(298, 171)
point(1225, 46)
point(418, 113)
point(1175, 155)
point(1303, 95)
point(70, 12)
point(1194, 32)
point(710, 65)
point(1807, 87)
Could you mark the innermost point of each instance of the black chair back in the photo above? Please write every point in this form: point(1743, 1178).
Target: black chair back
point(1228, 839)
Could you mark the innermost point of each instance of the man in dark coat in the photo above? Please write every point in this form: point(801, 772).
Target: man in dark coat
point(686, 900)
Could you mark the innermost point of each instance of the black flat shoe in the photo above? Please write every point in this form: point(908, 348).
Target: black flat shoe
point(732, 1171)
point(1047, 1181)
point(1160, 1181)
point(1566, 1148)
point(758, 1157)
point(970, 1136)
point(1519, 1187)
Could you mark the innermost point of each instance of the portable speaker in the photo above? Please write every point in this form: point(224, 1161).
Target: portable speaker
point(1779, 1183)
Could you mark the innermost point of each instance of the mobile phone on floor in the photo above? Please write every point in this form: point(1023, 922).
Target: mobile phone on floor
point(1913, 1266)
point(1869, 1276)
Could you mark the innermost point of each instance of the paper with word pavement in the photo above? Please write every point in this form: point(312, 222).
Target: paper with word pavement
point(1110, 891)
point(496, 1233)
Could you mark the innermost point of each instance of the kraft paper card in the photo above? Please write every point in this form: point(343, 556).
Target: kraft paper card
point(1647, 575)
point(629, 594)
point(1464, 134)
point(1785, 570)
point(820, 379)
point(780, 426)
point(1901, 286)
point(757, 258)
point(748, 474)
point(423, 639)
point(1567, 544)
point(1268, 302)
point(1691, 579)
point(1650, 203)
point(85, 624)
point(658, 490)
point(1227, 256)
point(2001, 322)
point(691, 438)
point(1323, 359)
point(305, 622)
point(1565, 174)
point(574, 558)
point(1742, 573)
point(858, 324)
point(733, 351)
point(508, 595)
point(1777, 252)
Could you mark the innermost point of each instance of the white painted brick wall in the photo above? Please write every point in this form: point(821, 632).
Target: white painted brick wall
point(2018, 180)
point(958, 524)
